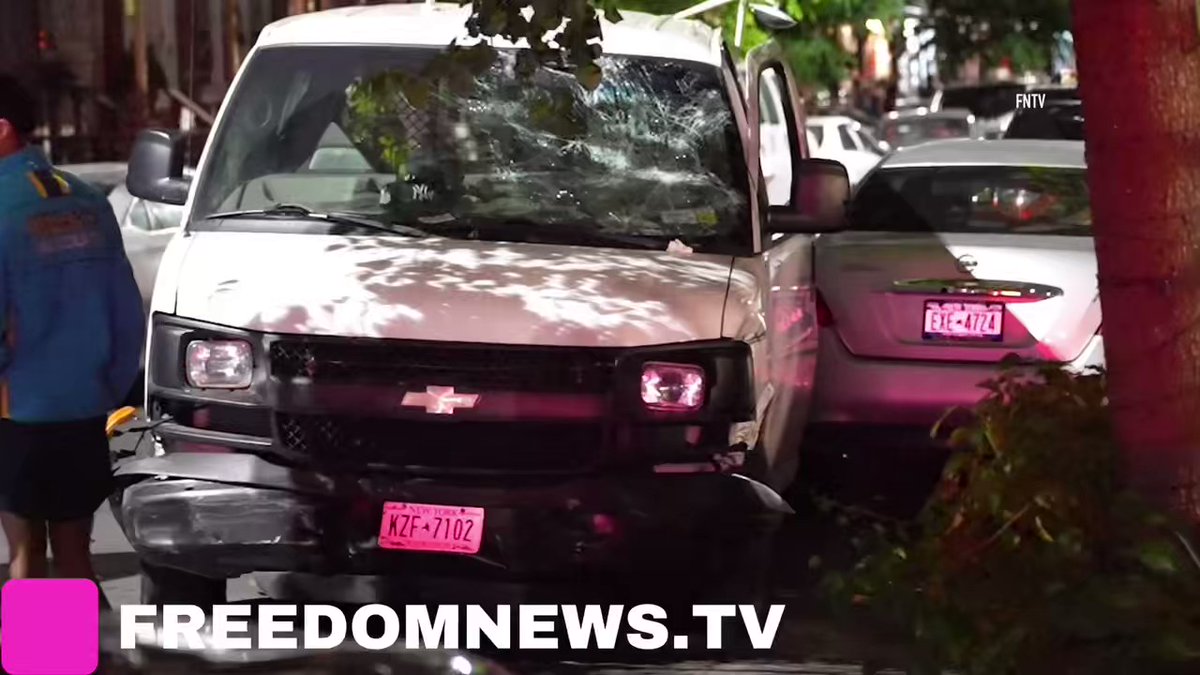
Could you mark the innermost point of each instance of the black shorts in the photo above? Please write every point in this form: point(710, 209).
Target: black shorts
point(54, 471)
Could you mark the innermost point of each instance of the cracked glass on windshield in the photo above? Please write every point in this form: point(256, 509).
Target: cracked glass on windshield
point(473, 149)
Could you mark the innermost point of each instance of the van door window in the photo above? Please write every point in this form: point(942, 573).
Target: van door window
point(779, 146)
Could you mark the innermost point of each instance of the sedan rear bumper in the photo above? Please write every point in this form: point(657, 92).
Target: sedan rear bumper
point(852, 389)
point(223, 515)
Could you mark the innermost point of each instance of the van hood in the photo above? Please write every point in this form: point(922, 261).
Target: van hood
point(451, 290)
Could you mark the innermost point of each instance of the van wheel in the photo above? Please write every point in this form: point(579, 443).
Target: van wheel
point(746, 576)
point(744, 579)
point(169, 586)
point(779, 477)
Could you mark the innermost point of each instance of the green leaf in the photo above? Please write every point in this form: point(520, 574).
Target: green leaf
point(1041, 530)
point(1178, 648)
point(589, 76)
point(1159, 556)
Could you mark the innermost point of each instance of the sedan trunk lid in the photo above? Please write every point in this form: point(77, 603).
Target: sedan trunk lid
point(960, 297)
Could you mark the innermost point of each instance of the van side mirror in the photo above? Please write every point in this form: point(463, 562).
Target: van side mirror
point(156, 168)
point(820, 193)
point(772, 18)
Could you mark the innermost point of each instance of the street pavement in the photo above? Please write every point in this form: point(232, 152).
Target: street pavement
point(806, 643)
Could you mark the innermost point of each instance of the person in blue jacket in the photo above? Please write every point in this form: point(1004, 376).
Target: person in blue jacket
point(72, 327)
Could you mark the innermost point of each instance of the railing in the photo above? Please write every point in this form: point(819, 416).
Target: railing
point(82, 125)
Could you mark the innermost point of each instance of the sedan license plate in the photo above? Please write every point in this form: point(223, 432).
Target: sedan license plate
point(964, 321)
point(431, 528)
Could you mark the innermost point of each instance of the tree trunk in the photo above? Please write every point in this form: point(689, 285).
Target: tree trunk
point(141, 49)
point(233, 38)
point(1139, 65)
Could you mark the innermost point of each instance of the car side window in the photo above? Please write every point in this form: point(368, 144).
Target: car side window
point(164, 216)
point(139, 217)
point(868, 142)
point(847, 139)
point(150, 217)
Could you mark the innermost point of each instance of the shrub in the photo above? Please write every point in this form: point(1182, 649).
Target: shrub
point(1032, 556)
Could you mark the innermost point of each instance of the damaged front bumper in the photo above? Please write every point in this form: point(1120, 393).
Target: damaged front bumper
point(224, 515)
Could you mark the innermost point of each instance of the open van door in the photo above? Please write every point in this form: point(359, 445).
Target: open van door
point(784, 268)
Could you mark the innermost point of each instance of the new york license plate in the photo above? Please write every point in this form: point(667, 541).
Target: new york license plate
point(431, 528)
point(964, 320)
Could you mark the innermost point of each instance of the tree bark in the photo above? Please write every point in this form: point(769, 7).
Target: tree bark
point(141, 63)
point(233, 37)
point(1139, 65)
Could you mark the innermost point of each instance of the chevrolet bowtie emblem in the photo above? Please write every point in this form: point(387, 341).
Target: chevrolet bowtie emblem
point(439, 400)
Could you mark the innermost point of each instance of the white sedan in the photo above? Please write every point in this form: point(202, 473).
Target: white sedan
point(844, 140)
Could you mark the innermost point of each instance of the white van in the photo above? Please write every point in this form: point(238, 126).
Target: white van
point(497, 325)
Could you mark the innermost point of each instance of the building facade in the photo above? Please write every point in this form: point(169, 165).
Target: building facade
point(106, 68)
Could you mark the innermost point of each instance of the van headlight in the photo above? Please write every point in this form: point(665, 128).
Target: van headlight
point(220, 364)
point(672, 386)
point(686, 383)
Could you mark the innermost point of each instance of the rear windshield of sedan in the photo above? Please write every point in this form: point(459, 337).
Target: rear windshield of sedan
point(900, 133)
point(989, 199)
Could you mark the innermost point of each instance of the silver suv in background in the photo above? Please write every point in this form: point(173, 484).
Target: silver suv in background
point(993, 104)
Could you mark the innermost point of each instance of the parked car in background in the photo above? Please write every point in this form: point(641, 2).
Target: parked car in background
point(1060, 120)
point(104, 176)
point(847, 141)
point(956, 254)
point(1055, 93)
point(903, 129)
point(904, 103)
point(146, 227)
point(992, 104)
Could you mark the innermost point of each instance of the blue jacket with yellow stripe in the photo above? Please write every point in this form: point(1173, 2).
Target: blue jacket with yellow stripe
point(72, 316)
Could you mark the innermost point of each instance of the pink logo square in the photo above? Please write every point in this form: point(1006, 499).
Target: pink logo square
point(50, 627)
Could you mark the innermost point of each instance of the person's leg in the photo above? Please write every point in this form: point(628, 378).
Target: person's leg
point(21, 495)
point(71, 544)
point(26, 546)
point(76, 496)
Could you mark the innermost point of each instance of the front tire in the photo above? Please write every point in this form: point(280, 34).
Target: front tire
point(169, 586)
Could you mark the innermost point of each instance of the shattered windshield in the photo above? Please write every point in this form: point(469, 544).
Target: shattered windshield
point(653, 154)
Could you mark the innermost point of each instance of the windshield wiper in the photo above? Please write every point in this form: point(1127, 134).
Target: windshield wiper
point(305, 213)
point(524, 230)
